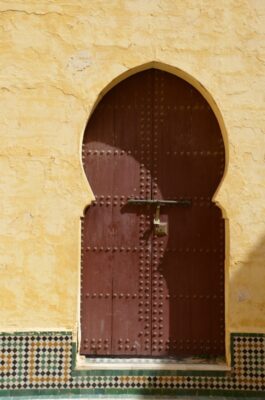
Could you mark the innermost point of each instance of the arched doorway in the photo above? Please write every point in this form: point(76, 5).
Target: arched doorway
point(153, 242)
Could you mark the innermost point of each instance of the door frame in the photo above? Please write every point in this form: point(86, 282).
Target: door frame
point(80, 360)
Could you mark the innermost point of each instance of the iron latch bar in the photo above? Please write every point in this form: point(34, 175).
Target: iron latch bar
point(159, 203)
point(160, 228)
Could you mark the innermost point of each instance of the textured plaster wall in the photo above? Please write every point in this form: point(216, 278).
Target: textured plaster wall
point(56, 58)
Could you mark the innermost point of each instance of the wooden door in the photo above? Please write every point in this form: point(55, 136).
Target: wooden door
point(153, 137)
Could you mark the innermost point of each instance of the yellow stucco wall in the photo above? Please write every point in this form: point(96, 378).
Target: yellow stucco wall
point(57, 56)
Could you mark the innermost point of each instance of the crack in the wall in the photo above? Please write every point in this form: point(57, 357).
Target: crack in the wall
point(11, 10)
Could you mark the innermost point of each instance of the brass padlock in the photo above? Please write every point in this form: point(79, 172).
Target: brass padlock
point(159, 227)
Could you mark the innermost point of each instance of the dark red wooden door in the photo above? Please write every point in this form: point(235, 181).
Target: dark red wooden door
point(153, 136)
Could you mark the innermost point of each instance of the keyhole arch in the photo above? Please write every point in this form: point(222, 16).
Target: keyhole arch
point(122, 147)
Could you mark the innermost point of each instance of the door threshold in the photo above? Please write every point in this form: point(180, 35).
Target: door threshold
point(156, 364)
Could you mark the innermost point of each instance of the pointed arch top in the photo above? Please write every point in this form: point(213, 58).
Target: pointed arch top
point(193, 82)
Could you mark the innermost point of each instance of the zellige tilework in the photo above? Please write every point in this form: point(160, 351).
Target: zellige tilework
point(39, 363)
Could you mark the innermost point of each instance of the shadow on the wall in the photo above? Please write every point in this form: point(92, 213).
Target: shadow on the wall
point(247, 291)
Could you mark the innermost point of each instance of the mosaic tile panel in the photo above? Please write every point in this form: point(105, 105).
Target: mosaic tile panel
point(44, 362)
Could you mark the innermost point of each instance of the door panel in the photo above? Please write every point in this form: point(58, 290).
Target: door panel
point(153, 136)
point(97, 268)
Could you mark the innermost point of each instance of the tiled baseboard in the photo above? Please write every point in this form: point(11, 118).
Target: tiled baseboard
point(37, 363)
